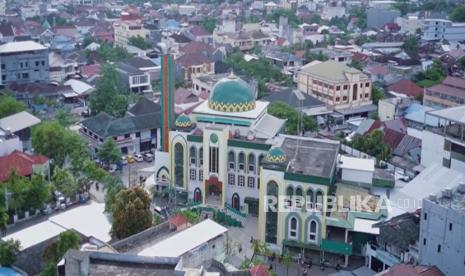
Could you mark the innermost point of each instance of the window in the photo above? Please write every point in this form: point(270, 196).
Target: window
point(213, 160)
point(37, 63)
point(200, 175)
point(293, 228)
point(241, 181)
point(344, 98)
point(424, 241)
point(289, 194)
point(138, 134)
point(319, 200)
point(192, 174)
point(312, 231)
point(3, 66)
point(345, 87)
point(367, 84)
point(309, 199)
point(241, 161)
point(337, 99)
point(251, 163)
point(298, 193)
point(338, 87)
point(127, 135)
point(439, 248)
point(367, 95)
point(231, 179)
point(192, 155)
point(201, 156)
point(425, 216)
point(232, 160)
point(179, 164)
point(251, 182)
point(450, 226)
point(43, 63)
point(271, 226)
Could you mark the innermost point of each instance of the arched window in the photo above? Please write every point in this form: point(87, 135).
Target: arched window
point(271, 226)
point(290, 195)
point(197, 195)
point(319, 200)
point(312, 231)
point(293, 228)
point(298, 194)
point(241, 161)
point(309, 199)
point(235, 201)
point(232, 160)
point(193, 155)
point(201, 156)
point(251, 161)
point(179, 164)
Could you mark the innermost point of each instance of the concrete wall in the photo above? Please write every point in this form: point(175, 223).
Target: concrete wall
point(432, 148)
point(435, 231)
point(357, 176)
point(33, 64)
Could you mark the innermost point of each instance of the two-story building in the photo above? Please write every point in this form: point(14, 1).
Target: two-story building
point(23, 62)
point(125, 29)
point(449, 93)
point(134, 79)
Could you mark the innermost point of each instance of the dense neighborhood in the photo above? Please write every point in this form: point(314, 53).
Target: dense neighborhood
point(228, 137)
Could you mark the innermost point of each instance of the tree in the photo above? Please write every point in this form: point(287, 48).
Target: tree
point(209, 24)
point(139, 42)
point(404, 6)
point(66, 241)
point(108, 96)
point(372, 144)
point(3, 220)
point(458, 14)
point(260, 89)
point(9, 105)
point(37, 192)
point(65, 182)
point(360, 14)
point(112, 185)
point(432, 76)
point(107, 53)
point(131, 212)
point(284, 111)
point(64, 118)
point(109, 152)
point(287, 260)
point(8, 251)
point(410, 44)
point(356, 64)
point(17, 185)
point(292, 18)
point(376, 94)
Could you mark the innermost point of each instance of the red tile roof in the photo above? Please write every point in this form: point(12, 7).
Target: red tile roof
point(411, 270)
point(192, 59)
point(406, 87)
point(20, 162)
point(199, 31)
point(259, 270)
point(197, 47)
point(455, 82)
point(178, 220)
point(90, 70)
point(392, 138)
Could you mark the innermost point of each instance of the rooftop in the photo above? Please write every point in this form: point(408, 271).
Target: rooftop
point(332, 71)
point(456, 114)
point(454, 200)
point(186, 240)
point(353, 163)
point(308, 156)
point(22, 163)
point(20, 46)
point(19, 121)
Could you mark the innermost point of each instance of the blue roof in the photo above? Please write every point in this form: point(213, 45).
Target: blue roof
point(416, 113)
point(6, 271)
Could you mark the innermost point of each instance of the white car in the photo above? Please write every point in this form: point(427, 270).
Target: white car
point(138, 158)
point(124, 160)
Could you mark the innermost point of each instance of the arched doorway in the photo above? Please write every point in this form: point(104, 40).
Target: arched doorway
point(197, 195)
point(236, 203)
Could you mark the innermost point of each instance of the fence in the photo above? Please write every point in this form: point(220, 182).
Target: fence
point(136, 240)
point(224, 271)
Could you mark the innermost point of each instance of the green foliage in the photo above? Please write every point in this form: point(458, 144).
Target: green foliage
point(64, 181)
point(261, 88)
point(284, 111)
point(404, 6)
point(8, 251)
point(192, 215)
point(109, 152)
point(113, 185)
point(139, 42)
point(66, 240)
point(37, 192)
point(411, 44)
point(458, 14)
point(260, 69)
point(156, 219)
point(313, 55)
point(65, 118)
point(209, 24)
point(360, 13)
point(108, 96)
point(362, 39)
point(49, 270)
point(292, 18)
point(356, 64)
point(372, 144)
point(3, 219)
point(9, 105)
point(108, 53)
point(131, 212)
point(27, 194)
point(376, 94)
point(432, 76)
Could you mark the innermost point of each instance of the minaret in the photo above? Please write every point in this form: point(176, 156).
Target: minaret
point(167, 95)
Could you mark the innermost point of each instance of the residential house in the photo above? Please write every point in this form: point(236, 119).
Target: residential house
point(396, 242)
point(198, 33)
point(7, 32)
point(134, 79)
point(194, 64)
point(146, 65)
point(60, 68)
point(216, 54)
point(9, 142)
point(135, 133)
point(23, 164)
point(20, 125)
point(24, 62)
point(405, 88)
point(412, 270)
point(243, 40)
point(449, 93)
point(30, 92)
point(288, 63)
point(335, 84)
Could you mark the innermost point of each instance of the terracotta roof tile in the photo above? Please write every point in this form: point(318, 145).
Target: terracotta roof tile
point(20, 162)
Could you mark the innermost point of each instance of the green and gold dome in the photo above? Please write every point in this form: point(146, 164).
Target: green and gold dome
point(232, 94)
point(183, 121)
point(276, 155)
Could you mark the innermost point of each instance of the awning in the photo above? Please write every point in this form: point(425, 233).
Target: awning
point(251, 200)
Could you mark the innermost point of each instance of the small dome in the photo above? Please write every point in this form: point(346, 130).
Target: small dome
point(183, 121)
point(276, 155)
point(232, 94)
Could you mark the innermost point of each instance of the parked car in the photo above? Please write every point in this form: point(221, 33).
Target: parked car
point(124, 160)
point(46, 211)
point(130, 159)
point(138, 158)
point(148, 157)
